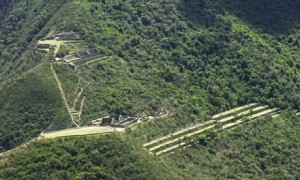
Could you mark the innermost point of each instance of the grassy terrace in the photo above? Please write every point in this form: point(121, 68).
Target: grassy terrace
point(160, 147)
point(234, 111)
point(228, 115)
point(227, 120)
point(202, 125)
point(222, 121)
point(245, 113)
point(252, 117)
point(177, 134)
point(172, 147)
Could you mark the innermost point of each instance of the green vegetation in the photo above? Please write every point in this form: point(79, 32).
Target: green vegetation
point(63, 51)
point(194, 58)
point(69, 81)
point(29, 106)
point(98, 157)
point(275, 17)
point(260, 150)
point(167, 59)
point(22, 24)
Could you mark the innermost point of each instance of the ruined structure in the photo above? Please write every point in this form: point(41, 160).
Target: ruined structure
point(94, 52)
point(64, 37)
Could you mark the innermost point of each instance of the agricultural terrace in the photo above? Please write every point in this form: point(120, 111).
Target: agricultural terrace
point(220, 122)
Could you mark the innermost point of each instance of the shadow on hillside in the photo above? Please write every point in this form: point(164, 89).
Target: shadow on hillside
point(198, 12)
point(271, 16)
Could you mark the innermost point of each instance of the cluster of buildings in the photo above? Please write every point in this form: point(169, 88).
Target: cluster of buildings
point(86, 54)
point(63, 37)
point(116, 121)
point(75, 59)
point(44, 48)
point(126, 121)
point(47, 44)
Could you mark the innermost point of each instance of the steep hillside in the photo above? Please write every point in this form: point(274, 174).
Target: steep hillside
point(29, 98)
point(275, 17)
point(261, 150)
point(191, 58)
point(30, 105)
point(180, 55)
point(195, 59)
point(106, 157)
point(22, 24)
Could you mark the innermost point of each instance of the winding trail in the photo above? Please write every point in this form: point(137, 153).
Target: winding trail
point(63, 95)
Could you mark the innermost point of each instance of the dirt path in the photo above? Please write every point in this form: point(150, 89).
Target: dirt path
point(22, 146)
point(29, 71)
point(80, 110)
point(78, 86)
point(77, 97)
point(56, 50)
point(63, 95)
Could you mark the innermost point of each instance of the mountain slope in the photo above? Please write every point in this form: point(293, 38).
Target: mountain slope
point(192, 58)
point(261, 150)
point(29, 106)
point(22, 24)
point(106, 157)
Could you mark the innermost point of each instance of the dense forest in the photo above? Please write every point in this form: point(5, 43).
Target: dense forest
point(194, 58)
point(29, 106)
point(104, 157)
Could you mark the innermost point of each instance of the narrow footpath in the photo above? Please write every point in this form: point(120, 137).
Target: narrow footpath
point(63, 95)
